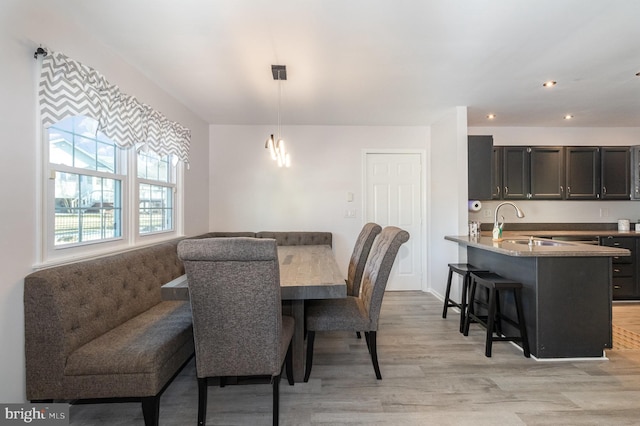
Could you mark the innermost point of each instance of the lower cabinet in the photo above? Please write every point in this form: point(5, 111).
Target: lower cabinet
point(625, 274)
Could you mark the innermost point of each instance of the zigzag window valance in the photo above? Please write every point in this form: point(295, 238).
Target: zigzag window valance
point(69, 88)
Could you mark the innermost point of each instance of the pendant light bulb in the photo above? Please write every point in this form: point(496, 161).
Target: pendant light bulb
point(270, 145)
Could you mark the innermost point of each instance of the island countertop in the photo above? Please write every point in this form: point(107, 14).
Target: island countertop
point(542, 247)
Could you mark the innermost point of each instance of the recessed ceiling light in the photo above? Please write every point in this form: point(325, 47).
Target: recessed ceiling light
point(638, 74)
point(491, 116)
point(568, 117)
point(549, 83)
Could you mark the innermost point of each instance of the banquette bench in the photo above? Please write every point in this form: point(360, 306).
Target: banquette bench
point(99, 330)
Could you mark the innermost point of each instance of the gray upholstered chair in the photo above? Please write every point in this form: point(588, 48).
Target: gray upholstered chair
point(358, 313)
point(238, 326)
point(359, 257)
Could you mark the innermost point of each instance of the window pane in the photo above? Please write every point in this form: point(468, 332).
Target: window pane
point(156, 208)
point(87, 208)
point(153, 167)
point(75, 142)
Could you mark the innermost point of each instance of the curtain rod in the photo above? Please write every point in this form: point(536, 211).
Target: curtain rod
point(40, 51)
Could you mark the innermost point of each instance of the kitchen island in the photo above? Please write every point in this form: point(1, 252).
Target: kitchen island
point(566, 293)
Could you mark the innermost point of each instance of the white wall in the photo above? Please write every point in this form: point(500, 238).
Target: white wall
point(250, 193)
point(23, 26)
point(538, 211)
point(448, 205)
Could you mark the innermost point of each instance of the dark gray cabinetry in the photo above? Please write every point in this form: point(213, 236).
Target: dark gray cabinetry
point(547, 173)
point(582, 172)
point(496, 174)
point(533, 172)
point(624, 268)
point(515, 172)
point(615, 173)
point(480, 167)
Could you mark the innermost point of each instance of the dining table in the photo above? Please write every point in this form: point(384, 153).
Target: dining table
point(306, 272)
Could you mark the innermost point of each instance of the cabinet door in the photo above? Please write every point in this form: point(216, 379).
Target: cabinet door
point(515, 172)
point(582, 173)
point(480, 155)
point(547, 173)
point(496, 174)
point(616, 179)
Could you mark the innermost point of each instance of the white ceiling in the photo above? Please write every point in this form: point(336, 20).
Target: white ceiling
point(383, 62)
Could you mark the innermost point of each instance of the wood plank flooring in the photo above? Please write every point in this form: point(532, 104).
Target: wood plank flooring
point(432, 375)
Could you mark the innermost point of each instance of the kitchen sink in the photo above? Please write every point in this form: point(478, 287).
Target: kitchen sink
point(535, 242)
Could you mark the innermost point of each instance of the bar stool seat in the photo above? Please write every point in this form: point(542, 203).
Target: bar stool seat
point(495, 284)
point(464, 269)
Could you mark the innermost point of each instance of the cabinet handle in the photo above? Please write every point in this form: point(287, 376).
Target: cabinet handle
point(561, 189)
point(498, 190)
point(568, 190)
point(506, 191)
point(616, 244)
point(616, 287)
point(604, 190)
point(616, 270)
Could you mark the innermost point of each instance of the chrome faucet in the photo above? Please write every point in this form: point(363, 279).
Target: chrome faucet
point(497, 227)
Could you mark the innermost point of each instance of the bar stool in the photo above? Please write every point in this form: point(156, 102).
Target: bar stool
point(494, 283)
point(465, 270)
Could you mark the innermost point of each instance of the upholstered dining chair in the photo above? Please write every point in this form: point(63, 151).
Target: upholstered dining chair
point(358, 313)
point(359, 257)
point(238, 326)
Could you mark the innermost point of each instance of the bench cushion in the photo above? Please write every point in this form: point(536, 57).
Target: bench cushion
point(141, 345)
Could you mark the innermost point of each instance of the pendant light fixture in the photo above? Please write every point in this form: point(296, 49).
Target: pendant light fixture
point(276, 146)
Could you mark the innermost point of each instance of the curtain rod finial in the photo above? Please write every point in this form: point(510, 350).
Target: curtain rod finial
point(40, 51)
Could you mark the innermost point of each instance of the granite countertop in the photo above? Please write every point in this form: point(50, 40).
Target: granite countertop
point(558, 248)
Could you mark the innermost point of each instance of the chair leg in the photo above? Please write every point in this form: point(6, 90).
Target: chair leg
point(447, 293)
point(374, 353)
point(470, 308)
point(202, 401)
point(310, 337)
point(366, 338)
point(276, 399)
point(491, 317)
point(358, 335)
point(288, 362)
point(466, 282)
point(521, 323)
point(151, 410)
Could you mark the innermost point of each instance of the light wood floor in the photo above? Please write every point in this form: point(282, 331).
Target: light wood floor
point(432, 375)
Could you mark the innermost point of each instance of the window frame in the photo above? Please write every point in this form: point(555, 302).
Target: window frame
point(49, 254)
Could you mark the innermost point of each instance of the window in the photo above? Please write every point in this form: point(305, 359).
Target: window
point(91, 184)
point(155, 193)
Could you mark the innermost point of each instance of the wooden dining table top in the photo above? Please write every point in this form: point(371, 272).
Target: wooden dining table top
point(306, 272)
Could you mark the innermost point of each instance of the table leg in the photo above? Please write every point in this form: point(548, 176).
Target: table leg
point(295, 308)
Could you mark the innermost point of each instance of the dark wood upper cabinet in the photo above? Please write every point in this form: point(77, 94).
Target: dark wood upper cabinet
point(582, 172)
point(515, 172)
point(547, 173)
point(480, 167)
point(615, 172)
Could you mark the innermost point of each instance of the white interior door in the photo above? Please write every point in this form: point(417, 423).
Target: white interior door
point(393, 192)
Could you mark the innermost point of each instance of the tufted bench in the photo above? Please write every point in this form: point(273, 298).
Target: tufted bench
point(99, 329)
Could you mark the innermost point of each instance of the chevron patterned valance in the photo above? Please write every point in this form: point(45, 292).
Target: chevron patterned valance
point(69, 88)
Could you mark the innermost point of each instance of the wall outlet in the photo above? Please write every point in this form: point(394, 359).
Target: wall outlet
point(604, 212)
point(488, 213)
